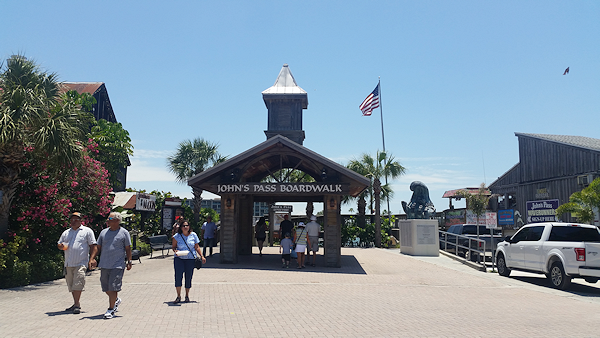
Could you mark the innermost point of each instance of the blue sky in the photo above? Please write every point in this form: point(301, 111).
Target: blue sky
point(458, 78)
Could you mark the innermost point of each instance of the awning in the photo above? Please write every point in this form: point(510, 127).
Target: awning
point(472, 191)
point(124, 199)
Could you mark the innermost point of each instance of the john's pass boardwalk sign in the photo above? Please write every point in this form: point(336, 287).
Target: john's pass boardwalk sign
point(282, 188)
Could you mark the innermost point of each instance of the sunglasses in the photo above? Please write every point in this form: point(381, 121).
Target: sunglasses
point(185, 225)
point(111, 218)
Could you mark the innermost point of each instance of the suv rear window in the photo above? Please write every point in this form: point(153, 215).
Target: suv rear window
point(574, 234)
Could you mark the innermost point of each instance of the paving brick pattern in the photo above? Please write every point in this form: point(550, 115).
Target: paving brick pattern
point(377, 293)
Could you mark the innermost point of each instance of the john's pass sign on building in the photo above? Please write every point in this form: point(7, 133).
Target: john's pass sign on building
point(282, 188)
point(542, 211)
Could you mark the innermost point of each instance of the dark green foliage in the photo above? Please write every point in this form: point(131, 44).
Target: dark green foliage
point(143, 247)
point(114, 148)
point(582, 203)
point(39, 268)
point(351, 230)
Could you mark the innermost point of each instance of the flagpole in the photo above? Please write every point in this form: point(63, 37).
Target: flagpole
point(383, 140)
point(381, 113)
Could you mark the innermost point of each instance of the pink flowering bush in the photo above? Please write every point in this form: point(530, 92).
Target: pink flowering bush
point(46, 196)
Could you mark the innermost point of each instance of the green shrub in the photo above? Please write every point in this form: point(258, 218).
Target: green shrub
point(143, 247)
point(19, 266)
point(16, 273)
point(46, 267)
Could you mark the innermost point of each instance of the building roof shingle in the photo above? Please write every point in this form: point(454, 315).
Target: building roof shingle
point(575, 141)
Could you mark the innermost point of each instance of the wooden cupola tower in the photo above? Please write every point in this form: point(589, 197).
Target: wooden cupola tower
point(285, 101)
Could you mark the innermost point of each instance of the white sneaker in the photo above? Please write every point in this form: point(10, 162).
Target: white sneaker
point(117, 303)
point(109, 314)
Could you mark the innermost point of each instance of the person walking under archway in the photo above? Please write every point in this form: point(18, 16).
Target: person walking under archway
point(313, 229)
point(209, 232)
point(260, 230)
point(286, 226)
point(301, 240)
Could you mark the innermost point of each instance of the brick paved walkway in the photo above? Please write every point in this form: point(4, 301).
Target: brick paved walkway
point(377, 293)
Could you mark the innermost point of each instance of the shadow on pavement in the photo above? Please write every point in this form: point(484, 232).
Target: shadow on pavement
point(97, 317)
point(574, 288)
point(181, 303)
point(272, 262)
point(59, 313)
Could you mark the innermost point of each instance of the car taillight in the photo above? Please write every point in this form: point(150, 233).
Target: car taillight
point(580, 254)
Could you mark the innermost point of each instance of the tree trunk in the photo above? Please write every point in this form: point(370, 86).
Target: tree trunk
point(11, 158)
point(377, 193)
point(5, 204)
point(310, 208)
point(197, 204)
point(362, 206)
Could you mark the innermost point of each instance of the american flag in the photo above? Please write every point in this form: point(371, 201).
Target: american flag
point(370, 103)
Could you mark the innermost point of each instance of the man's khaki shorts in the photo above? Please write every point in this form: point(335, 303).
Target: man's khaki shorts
point(314, 244)
point(75, 277)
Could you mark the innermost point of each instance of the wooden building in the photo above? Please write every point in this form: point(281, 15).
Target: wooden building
point(550, 169)
point(102, 109)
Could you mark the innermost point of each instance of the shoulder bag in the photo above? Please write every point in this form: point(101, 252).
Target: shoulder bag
point(198, 260)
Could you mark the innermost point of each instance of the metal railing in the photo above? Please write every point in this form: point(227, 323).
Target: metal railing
point(460, 244)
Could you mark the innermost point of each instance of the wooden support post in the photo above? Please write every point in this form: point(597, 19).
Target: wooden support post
point(229, 229)
point(333, 234)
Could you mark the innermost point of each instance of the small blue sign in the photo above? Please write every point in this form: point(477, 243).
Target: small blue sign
point(506, 217)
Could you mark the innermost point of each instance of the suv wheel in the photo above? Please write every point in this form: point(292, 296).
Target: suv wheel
point(503, 270)
point(558, 278)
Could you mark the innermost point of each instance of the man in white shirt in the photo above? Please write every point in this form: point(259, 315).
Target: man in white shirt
point(77, 243)
point(313, 229)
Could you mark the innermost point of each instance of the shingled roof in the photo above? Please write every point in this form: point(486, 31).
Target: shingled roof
point(83, 87)
point(576, 141)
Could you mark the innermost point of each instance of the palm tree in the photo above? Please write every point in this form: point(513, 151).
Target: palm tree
point(364, 166)
point(33, 115)
point(376, 168)
point(190, 159)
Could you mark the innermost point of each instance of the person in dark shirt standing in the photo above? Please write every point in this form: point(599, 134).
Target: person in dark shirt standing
point(285, 226)
point(209, 232)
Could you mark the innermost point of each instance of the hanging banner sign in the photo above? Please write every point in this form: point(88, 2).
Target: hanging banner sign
point(172, 202)
point(542, 211)
point(145, 202)
point(282, 208)
point(283, 188)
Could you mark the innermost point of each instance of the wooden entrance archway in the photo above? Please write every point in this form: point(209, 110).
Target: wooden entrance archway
point(238, 182)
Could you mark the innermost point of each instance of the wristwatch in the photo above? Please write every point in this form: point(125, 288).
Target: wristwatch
point(129, 262)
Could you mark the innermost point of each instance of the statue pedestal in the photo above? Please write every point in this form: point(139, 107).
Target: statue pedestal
point(419, 237)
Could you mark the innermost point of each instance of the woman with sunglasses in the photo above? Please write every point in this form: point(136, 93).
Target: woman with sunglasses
point(185, 240)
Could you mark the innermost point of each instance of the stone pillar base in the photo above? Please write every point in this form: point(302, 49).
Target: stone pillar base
point(419, 237)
